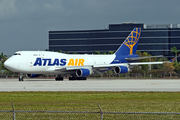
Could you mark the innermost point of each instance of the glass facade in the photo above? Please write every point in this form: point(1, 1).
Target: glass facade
point(154, 40)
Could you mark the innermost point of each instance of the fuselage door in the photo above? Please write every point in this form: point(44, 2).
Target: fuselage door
point(41, 55)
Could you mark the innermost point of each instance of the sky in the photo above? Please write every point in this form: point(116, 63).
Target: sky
point(24, 24)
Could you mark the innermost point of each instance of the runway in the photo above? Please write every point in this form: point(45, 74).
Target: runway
point(170, 85)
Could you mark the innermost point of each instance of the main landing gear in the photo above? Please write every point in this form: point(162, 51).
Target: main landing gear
point(73, 77)
point(77, 78)
point(59, 78)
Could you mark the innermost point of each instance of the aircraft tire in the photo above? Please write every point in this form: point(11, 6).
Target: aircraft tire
point(81, 78)
point(72, 78)
point(21, 78)
point(59, 78)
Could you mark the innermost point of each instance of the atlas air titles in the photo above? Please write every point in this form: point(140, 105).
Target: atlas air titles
point(58, 62)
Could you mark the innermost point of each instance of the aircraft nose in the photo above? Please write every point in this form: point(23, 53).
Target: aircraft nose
point(11, 64)
point(7, 64)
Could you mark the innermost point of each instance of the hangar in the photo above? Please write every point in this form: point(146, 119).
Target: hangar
point(154, 39)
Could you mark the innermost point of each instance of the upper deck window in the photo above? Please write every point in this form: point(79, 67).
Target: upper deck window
point(35, 54)
point(17, 54)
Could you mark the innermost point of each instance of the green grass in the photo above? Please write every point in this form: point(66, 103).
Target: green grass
point(87, 101)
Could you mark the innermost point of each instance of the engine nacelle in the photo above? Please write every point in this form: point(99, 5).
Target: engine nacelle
point(83, 72)
point(33, 75)
point(121, 69)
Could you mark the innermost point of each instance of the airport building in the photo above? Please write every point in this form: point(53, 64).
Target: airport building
point(154, 39)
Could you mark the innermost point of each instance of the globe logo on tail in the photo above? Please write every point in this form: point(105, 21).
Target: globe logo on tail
point(132, 39)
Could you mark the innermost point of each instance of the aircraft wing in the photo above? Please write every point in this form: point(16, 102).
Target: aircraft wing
point(88, 66)
point(139, 58)
point(100, 68)
point(70, 68)
point(126, 64)
point(151, 63)
point(106, 65)
point(146, 63)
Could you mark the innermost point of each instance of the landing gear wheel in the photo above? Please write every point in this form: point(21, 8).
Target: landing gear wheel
point(59, 78)
point(81, 78)
point(72, 78)
point(21, 78)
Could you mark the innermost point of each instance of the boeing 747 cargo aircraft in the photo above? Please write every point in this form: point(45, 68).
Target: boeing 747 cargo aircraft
point(36, 63)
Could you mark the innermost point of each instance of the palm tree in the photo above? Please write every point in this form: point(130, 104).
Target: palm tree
point(175, 51)
point(97, 52)
point(2, 56)
point(60, 51)
point(111, 52)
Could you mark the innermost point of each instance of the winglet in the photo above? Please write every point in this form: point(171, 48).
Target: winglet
point(172, 60)
point(130, 44)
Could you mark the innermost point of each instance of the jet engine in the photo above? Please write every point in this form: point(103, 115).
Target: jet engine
point(83, 72)
point(121, 69)
point(33, 75)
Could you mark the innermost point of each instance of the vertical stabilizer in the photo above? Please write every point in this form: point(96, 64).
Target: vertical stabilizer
point(129, 46)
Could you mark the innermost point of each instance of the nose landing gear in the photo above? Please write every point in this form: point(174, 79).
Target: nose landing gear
point(21, 78)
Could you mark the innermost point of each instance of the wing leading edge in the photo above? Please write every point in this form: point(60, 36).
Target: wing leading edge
point(100, 67)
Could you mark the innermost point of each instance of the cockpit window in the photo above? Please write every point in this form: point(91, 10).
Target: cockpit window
point(17, 54)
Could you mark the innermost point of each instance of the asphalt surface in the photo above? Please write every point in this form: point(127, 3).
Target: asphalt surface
point(171, 85)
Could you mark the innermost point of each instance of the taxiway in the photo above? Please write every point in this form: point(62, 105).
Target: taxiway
point(171, 85)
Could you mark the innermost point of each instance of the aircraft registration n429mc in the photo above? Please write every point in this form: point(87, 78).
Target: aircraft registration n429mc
point(36, 63)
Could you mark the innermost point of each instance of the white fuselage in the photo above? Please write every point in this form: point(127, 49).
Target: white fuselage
point(44, 62)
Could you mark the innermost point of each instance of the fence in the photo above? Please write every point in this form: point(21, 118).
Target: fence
point(90, 115)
